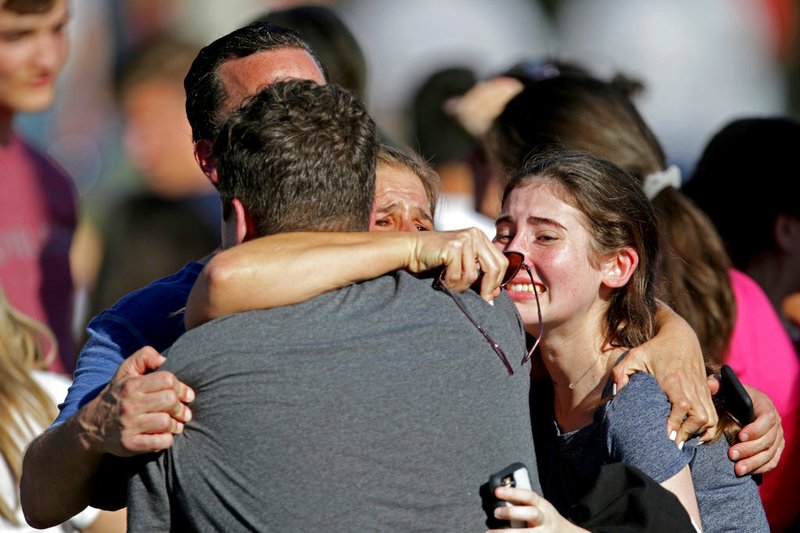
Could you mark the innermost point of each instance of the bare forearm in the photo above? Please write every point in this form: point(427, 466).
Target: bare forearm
point(294, 267)
point(290, 268)
point(56, 475)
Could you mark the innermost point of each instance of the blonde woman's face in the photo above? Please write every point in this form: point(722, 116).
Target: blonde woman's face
point(400, 201)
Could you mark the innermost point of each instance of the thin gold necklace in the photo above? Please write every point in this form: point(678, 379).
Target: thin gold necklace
point(573, 384)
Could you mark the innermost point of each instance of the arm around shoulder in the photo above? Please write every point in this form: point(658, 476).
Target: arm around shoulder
point(290, 268)
point(674, 357)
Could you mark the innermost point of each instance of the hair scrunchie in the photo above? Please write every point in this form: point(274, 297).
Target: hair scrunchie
point(658, 181)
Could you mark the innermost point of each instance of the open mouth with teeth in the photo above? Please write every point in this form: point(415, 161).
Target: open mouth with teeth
point(520, 287)
point(523, 290)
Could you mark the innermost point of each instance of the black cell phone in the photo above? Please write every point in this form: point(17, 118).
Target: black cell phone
point(736, 401)
point(514, 475)
point(734, 397)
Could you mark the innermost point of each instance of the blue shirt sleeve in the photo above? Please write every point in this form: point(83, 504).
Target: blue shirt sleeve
point(147, 317)
point(101, 356)
point(635, 423)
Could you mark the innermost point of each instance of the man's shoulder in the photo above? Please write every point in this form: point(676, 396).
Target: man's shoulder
point(164, 291)
point(154, 310)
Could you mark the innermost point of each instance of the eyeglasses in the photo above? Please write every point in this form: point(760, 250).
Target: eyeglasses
point(516, 261)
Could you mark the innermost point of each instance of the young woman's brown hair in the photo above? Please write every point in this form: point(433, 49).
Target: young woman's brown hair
point(586, 114)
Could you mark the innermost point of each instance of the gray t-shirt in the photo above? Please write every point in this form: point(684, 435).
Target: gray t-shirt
point(375, 407)
point(630, 428)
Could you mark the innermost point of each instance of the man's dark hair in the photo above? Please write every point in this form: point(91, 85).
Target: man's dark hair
point(300, 157)
point(204, 91)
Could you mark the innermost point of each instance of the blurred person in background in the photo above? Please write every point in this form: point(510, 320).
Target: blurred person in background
point(584, 113)
point(704, 63)
point(791, 308)
point(174, 219)
point(451, 150)
point(37, 199)
point(453, 108)
point(28, 397)
point(404, 42)
point(325, 31)
point(330, 38)
point(748, 163)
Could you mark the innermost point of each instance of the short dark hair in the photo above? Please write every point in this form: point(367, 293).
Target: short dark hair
point(204, 91)
point(300, 157)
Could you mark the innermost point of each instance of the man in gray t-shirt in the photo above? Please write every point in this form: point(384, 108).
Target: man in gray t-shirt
point(379, 406)
point(375, 407)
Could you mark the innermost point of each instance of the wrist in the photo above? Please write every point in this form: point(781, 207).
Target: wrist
point(87, 427)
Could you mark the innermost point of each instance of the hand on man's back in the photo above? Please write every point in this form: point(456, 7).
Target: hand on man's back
point(139, 411)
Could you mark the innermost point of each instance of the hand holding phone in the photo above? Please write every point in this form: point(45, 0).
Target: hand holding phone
point(735, 397)
point(736, 400)
point(514, 475)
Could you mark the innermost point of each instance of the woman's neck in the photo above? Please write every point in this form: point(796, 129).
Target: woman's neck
point(579, 364)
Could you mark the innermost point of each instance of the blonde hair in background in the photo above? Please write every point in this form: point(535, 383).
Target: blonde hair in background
point(24, 407)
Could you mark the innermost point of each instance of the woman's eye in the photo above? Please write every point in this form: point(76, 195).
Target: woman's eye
point(383, 222)
point(12, 36)
point(545, 238)
point(503, 238)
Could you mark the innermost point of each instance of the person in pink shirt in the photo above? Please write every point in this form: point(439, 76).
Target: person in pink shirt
point(37, 199)
point(749, 157)
point(761, 353)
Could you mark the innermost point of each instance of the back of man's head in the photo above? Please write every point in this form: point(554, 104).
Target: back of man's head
point(205, 93)
point(299, 157)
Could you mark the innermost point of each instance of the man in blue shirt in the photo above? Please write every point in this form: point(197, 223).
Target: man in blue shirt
point(138, 410)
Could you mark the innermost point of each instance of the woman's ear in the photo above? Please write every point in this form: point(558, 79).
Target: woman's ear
point(619, 267)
